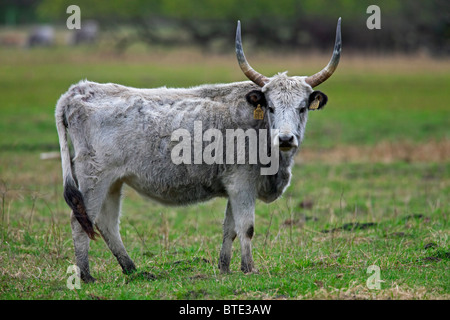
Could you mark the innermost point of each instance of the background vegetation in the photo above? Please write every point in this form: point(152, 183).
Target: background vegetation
point(408, 26)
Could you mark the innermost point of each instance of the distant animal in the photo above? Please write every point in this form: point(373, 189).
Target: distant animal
point(43, 35)
point(123, 135)
point(87, 34)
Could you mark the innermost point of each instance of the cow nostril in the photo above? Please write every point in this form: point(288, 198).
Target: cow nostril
point(291, 139)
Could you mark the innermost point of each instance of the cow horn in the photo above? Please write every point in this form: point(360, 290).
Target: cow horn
point(323, 75)
point(256, 77)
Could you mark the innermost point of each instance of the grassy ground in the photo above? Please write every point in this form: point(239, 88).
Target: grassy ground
point(370, 187)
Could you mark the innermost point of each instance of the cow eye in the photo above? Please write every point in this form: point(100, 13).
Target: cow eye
point(270, 109)
point(302, 110)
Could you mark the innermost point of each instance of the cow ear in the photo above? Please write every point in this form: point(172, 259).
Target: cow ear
point(256, 97)
point(317, 100)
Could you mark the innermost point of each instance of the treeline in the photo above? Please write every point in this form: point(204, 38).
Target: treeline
point(407, 26)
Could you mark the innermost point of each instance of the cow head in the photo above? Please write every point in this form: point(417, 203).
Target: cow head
point(287, 100)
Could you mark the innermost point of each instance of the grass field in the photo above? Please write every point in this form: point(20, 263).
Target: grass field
point(370, 187)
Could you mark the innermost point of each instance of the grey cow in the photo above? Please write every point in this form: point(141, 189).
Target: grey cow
point(124, 135)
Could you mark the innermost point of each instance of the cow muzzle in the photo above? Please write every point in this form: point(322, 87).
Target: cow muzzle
point(287, 142)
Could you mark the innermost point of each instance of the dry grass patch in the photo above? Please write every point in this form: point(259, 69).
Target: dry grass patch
point(383, 152)
point(361, 292)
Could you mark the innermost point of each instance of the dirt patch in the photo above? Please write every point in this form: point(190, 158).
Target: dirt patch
point(192, 261)
point(431, 259)
point(351, 227)
point(299, 221)
point(143, 275)
point(430, 245)
point(95, 297)
point(199, 276)
point(399, 234)
point(306, 204)
point(194, 294)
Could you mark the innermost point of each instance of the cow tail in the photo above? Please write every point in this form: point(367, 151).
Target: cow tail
point(72, 194)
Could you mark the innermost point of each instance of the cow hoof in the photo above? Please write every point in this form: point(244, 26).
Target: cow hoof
point(253, 271)
point(225, 271)
point(249, 270)
point(88, 278)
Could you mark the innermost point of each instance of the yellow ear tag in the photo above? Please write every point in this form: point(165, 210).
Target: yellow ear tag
point(315, 104)
point(258, 114)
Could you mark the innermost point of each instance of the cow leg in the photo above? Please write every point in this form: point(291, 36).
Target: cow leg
point(243, 209)
point(93, 195)
point(107, 223)
point(229, 234)
point(81, 245)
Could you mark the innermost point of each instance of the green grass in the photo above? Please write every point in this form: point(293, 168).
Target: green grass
point(316, 242)
point(400, 105)
point(295, 255)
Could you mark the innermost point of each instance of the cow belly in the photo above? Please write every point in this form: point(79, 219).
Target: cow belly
point(177, 194)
